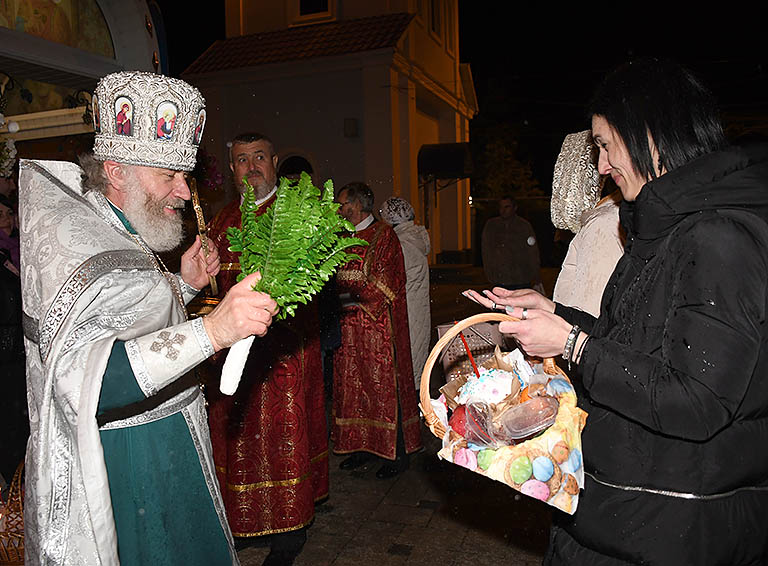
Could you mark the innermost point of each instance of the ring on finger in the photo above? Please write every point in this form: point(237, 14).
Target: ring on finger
point(493, 305)
point(525, 314)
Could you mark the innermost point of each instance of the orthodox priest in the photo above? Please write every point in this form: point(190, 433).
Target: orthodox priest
point(374, 399)
point(270, 441)
point(119, 467)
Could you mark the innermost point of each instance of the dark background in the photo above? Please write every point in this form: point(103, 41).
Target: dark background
point(535, 67)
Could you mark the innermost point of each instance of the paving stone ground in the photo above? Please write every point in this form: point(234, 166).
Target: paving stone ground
point(434, 513)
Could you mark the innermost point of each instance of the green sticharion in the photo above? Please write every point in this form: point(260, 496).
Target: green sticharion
point(297, 244)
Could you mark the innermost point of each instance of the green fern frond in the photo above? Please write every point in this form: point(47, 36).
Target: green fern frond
point(297, 244)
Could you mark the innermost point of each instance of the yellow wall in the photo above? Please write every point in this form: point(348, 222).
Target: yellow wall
point(427, 131)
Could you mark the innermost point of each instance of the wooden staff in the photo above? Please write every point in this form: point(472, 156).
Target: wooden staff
point(202, 229)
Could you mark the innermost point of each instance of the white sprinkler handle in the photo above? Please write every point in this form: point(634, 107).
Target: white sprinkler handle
point(234, 365)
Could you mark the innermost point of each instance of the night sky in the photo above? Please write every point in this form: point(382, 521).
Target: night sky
point(535, 69)
point(537, 73)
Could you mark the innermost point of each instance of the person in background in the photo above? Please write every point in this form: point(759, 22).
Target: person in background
point(599, 241)
point(673, 372)
point(414, 240)
point(510, 251)
point(270, 440)
point(374, 402)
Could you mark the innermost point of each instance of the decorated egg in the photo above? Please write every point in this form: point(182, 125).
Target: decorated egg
point(570, 485)
point(458, 420)
point(560, 452)
point(536, 489)
point(543, 468)
point(484, 458)
point(573, 463)
point(466, 458)
point(520, 469)
point(563, 501)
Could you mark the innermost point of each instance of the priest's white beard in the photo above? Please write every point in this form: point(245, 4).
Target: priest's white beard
point(160, 231)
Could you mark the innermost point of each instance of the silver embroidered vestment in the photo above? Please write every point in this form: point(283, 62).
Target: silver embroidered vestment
point(86, 284)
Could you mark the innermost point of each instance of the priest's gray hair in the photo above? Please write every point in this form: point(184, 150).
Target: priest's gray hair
point(359, 192)
point(93, 177)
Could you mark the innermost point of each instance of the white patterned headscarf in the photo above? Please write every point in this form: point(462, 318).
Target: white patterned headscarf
point(576, 183)
point(396, 210)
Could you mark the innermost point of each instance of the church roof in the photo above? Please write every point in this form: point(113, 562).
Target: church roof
point(303, 42)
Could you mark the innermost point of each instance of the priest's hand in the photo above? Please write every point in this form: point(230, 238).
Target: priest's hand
point(196, 267)
point(241, 313)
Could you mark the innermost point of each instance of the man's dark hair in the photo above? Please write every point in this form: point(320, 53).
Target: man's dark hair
point(660, 98)
point(250, 137)
point(359, 192)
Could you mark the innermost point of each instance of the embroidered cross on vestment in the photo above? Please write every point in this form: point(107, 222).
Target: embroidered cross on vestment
point(167, 342)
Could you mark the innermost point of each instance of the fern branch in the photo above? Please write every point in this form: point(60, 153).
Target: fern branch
point(297, 244)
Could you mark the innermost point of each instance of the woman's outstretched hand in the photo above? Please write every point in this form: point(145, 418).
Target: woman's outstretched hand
point(539, 331)
point(516, 300)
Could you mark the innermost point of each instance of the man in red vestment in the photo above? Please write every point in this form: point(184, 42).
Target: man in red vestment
point(270, 443)
point(374, 399)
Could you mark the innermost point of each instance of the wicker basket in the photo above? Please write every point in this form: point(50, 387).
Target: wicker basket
point(12, 538)
point(482, 339)
point(558, 448)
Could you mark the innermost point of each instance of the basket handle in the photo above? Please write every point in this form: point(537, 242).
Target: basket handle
point(425, 404)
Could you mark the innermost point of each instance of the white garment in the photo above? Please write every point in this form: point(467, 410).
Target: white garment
point(414, 240)
point(592, 257)
point(85, 284)
point(364, 223)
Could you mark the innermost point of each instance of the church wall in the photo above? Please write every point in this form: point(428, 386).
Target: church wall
point(303, 114)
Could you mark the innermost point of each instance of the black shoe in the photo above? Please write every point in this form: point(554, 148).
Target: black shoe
point(355, 461)
point(390, 470)
point(247, 542)
point(279, 558)
point(285, 548)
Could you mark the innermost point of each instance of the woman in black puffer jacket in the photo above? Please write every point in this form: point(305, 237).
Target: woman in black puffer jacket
point(674, 372)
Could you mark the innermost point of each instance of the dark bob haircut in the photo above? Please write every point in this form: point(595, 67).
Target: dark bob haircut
point(661, 98)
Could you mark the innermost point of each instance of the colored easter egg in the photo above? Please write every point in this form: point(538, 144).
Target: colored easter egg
point(570, 485)
point(520, 469)
point(543, 468)
point(563, 501)
point(560, 452)
point(573, 464)
point(484, 458)
point(466, 458)
point(458, 420)
point(535, 488)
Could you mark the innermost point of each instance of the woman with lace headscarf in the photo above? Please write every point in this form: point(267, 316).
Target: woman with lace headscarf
point(414, 240)
point(599, 241)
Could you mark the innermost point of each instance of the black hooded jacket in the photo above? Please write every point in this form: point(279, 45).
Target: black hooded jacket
point(675, 376)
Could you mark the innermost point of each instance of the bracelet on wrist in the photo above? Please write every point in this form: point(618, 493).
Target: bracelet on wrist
point(569, 342)
point(577, 357)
